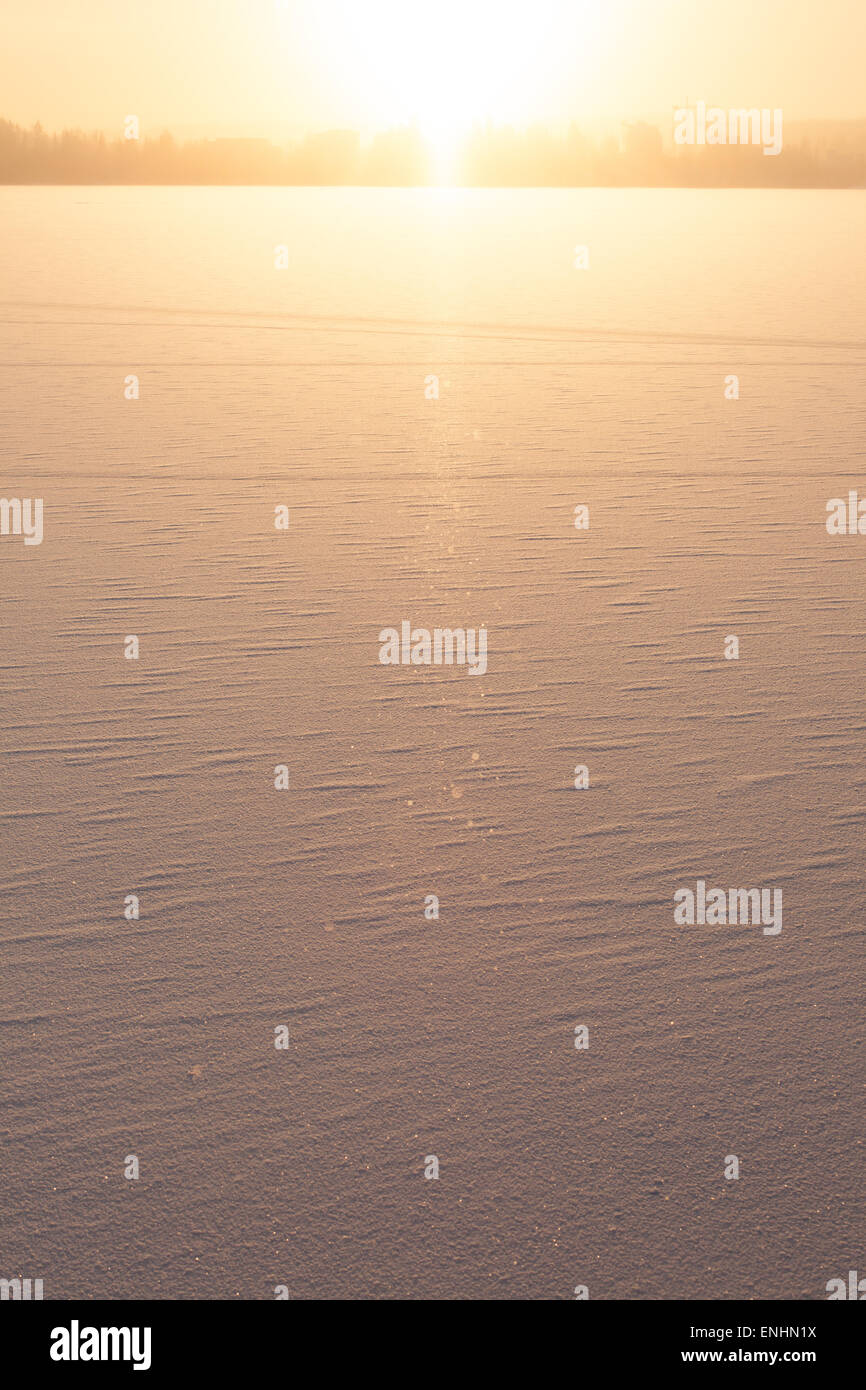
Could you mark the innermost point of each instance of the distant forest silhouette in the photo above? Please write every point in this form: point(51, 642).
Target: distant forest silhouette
point(815, 155)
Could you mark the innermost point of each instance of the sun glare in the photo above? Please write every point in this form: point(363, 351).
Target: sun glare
point(452, 64)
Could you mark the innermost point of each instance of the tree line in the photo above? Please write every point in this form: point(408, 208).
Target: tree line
point(818, 156)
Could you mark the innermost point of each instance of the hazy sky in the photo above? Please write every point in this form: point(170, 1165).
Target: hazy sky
point(277, 64)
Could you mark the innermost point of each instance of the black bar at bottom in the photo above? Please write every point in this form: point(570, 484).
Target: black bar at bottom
point(163, 1339)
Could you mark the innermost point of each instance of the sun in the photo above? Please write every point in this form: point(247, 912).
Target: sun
point(447, 65)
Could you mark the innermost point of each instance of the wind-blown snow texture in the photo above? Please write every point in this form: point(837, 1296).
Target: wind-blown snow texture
point(259, 647)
